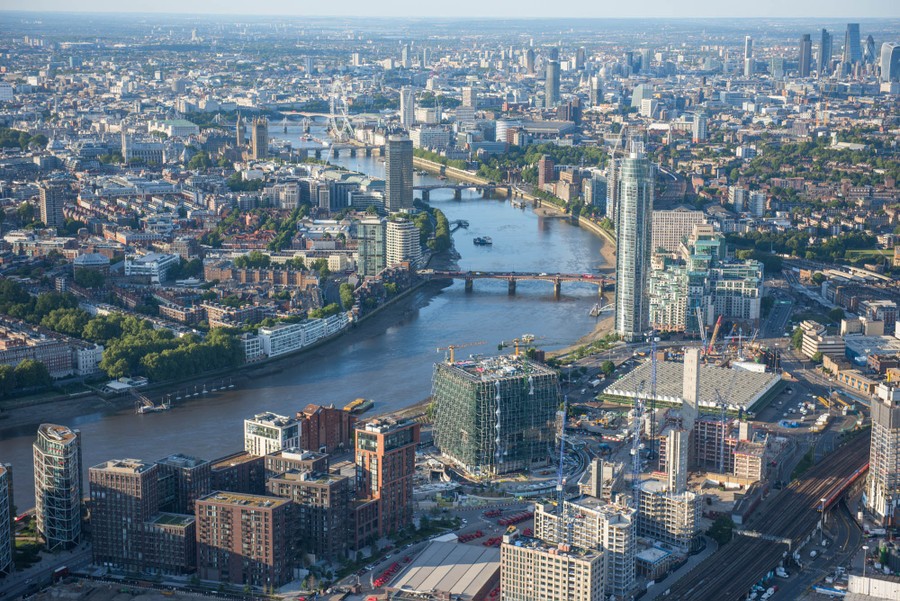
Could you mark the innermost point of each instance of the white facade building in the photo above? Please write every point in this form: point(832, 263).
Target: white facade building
point(154, 265)
point(531, 570)
point(403, 243)
point(266, 433)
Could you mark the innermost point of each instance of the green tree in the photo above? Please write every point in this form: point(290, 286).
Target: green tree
point(797, 338)
point(326, 311)
point(32, 374)
point(253, 260)
point(70, 322)
point(347, 296)
point(102, 328)
point(89, 278)
point(721, 530)
point(836, 315)
point(607, 367)
point(818, 277)
point(7, 380)
point(817, 357)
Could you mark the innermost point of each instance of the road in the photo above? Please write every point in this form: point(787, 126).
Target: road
point(844, 538)
point(25, 581)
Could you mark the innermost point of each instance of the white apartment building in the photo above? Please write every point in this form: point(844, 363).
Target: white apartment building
point(430, 137)
point(267, 432)
point(595, 524)
point(290, 337)
point(531, 570)
point(403, 243)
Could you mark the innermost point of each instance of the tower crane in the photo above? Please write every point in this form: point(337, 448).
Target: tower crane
point(562, 529)
point(701, 326)
point(451, 357)
point(653, 340)
point(723, 406)
point(636, 445)
point(715, 334)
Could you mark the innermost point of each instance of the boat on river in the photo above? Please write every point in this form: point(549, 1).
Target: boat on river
point(483, 241)
point(359, 405)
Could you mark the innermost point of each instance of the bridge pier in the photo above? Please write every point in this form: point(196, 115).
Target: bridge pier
point(353, 153)
point(368, 151)
point(457, 194)
point(426, 195)
point(469, 282)
point(511, 288)
point(336, 153)
point(487, 193)
point(557, 288)
point(318, 154)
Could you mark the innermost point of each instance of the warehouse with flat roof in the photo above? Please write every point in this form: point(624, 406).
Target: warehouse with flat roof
point(464, 572)
point(740, 389)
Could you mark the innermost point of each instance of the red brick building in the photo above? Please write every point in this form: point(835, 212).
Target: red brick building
point(385, 464)
point(243, 539)
point(325, 429)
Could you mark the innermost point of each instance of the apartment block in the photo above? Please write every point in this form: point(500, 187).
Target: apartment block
point(385, 465)
point(243, 539)
point(531, 570)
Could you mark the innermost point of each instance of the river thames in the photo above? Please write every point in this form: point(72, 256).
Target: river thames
point(388, 358)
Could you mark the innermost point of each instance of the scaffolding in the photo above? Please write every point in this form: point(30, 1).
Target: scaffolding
point(495, 415)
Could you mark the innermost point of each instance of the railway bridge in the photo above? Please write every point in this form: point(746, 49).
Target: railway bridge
point(511, 277)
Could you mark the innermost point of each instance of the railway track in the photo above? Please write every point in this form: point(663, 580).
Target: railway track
point(788, 517)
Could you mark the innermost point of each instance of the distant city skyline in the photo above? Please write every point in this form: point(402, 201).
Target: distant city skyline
point(831, 9)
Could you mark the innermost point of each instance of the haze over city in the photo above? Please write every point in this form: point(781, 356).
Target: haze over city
point(473, 301)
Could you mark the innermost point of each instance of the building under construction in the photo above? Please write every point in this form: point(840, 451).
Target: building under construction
point(495, 415)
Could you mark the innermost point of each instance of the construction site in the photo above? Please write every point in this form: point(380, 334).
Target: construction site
point(495, 415)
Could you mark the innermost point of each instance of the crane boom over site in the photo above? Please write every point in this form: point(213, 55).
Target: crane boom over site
point(451, 348)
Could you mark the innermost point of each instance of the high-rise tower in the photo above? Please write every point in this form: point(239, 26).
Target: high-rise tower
point(748, 56)
point(407, 107)
point(890, 62)
point(551, 84)
point(52, 199)
point(883, 481)
point(260, 138)
point(398, 170)
point(57, 485)
point(637, 177)
point(826, 43)
point(805, 58)
point(852, 49)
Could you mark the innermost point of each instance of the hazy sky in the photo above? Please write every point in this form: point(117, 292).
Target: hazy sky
point(850, 9)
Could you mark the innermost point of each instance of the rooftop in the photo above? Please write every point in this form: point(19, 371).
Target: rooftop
point(126, 466)
point(172, 519)
point(272, 419)
point(461, 570)
point(384, 425)
point(739, 388)
point(536, 544)
point(480, 369)
point(244, 500)
point(57, 433)
point(183, 461)
point(234, 459)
